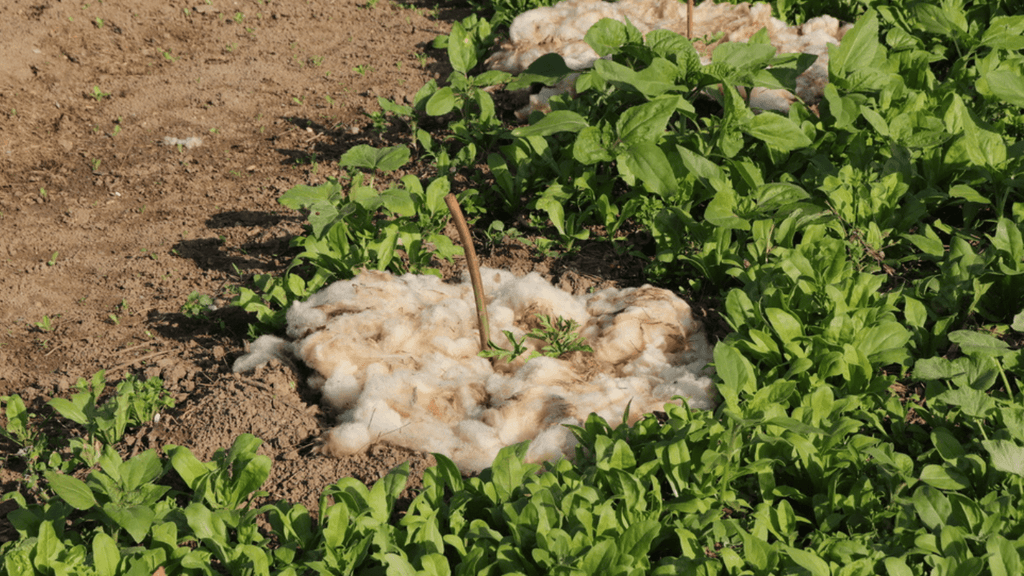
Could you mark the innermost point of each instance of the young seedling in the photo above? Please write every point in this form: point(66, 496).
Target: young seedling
point(45, 324)
point(196, 305)
point(560, 334)
point(506, 355)
point(99, 94)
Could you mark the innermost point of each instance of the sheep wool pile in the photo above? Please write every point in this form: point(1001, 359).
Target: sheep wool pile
point(561, 29)
point(397, 356)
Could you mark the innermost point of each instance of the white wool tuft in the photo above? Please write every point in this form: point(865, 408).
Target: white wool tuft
point(561, 29)
point(397, 357)
point(263, 350)
point(349, 438)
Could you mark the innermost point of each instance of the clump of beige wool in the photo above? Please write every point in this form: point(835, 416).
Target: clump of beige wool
point(561, 29)
point(396, 356)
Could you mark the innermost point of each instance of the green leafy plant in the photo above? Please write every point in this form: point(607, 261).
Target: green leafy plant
point(104, 423)
point(45, 324)
point(98, 94)
point(196, 305)
point(559, 335)
point(122, 495)
point(397, 229)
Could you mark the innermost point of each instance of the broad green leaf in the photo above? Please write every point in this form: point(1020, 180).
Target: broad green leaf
point(136, 520)
point(436, 191)
point(758, 553)
point(777, 131)
point(653, 81)
point(1018, 322)
point(936, 369)
point(399, 202)
point(369, 158)
point(435, 565)
point(141, 469)
point(1006, 456)
point(555, 212)
point(106, 555)
point(648, 162)
point(915, 312)
point(700, 165)
point(670, 44)
point(645, 124)
point(17, 418)
point(721, 212)
point(809, 561)
point(977, 143)
point(786, 325)
point(441, 102)
point(897, 567)
point(743, 55)
point(600, 557)
point(547, 70)
point(1005, 32)
point(974, 403)
point(736, 372)
point(461, 51)
point(69, 410)
point(502, 176)
point(795, 426)
point(842, 108)
point(396, 480)
point(296, 285)
point(398, 565)
point(875, 119)
point(553, 123)
point(636, 539)
point(71, 490)
point(508, 470)
point(1003, 557)
point(967, 193)
point(972, 342)
point(931, 506)
point(303, 196)
point(48, 545)
point(857, 49)
point(947, 445)
point(885, 343)
point(590, 147)
point(607, 35)
point(323, 214)
point(944, 477)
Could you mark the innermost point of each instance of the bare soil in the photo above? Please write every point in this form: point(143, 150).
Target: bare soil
point(105, 229)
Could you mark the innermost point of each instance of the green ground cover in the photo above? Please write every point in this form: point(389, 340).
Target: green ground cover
point(872, 248)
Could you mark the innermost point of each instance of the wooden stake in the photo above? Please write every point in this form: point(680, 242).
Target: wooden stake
point(689, 19)
point(474, 269)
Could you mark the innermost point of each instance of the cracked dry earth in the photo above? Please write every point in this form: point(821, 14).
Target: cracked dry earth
point(105, 229)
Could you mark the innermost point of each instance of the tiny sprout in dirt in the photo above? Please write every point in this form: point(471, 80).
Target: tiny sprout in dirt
point(196, 305)
point(45, 324)
point(98, 94)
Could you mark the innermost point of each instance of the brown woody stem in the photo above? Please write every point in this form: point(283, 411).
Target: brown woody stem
point(474, 269)
point(689, 19)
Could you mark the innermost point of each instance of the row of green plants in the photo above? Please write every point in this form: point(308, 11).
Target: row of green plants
point(823, 489)
point(870, 245)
